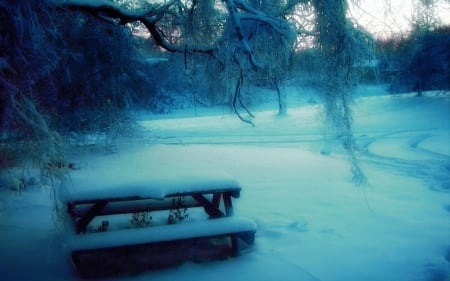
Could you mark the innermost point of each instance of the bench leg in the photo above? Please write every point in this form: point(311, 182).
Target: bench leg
point(76, 260)
point(234, 245)
point(248, 237)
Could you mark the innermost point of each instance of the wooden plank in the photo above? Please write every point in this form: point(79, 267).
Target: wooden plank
point(234, 191)
point(131, 206)
point(209, 228)
point(109, 199)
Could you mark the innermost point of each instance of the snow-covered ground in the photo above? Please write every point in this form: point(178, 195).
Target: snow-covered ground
point(313, 222)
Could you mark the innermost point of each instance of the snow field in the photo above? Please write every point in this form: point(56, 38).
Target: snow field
point(313, 222)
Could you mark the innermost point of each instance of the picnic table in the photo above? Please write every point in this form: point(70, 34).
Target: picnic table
point(97, 196)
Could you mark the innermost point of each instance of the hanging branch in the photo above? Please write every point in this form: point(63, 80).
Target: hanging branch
point(237, 98)
point(242, 40)
point(277, 25)
point(149, 18)
point(159, 40)
point(244, 106)
point(153, 14)
point(336, 41)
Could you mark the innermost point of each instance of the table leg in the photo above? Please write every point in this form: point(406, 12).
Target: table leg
point(90, 215)
point(228, 204)
point(209, 207)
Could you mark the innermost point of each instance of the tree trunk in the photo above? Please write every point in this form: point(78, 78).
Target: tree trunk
point(282, 103)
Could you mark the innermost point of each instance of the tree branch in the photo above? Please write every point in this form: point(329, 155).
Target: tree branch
point(109, 12)
point(159, 40)
point(281, 28)
point(238, 28)
point(237, 97)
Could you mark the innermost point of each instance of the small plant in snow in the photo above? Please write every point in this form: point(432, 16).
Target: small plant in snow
point(141, 219)
point(178, 213)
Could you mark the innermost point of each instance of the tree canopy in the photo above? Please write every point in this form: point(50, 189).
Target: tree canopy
point(74, 67)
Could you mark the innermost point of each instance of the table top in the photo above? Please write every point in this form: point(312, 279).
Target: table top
point(156, 184)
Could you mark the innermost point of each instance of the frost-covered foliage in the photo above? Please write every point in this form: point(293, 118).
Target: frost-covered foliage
point(62, 72)
point(219, 40)
point(92, 68)
point(259, 41)
point(199, 65)
point(28, 57)
point(99, 76)
point(340, 46)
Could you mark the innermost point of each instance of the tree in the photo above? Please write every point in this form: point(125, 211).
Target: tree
point(27, 57)
point(425, 19)
point(423, 62)
point(240, 43)
point(233, 43)
point(54, 64)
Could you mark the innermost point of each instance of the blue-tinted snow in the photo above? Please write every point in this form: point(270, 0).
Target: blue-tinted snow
point(313, 223)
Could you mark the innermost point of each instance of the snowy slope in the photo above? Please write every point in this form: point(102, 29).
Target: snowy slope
point(313, 223)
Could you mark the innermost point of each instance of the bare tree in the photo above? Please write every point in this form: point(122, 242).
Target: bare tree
point(425, 19)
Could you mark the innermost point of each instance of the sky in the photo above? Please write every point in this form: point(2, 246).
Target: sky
point(384, 17)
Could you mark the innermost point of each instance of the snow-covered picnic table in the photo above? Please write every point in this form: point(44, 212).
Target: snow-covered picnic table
point(102, 194)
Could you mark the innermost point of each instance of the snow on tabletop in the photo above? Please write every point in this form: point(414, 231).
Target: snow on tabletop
point(163, 233)
point(97, 184)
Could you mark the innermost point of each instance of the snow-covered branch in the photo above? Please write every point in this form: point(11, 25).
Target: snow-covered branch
point(282, 28)
point(149, 17)
point(235, 18)
point(108, 5)
point(278, 24)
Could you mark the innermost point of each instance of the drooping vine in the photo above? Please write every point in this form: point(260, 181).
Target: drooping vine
point(340, 46)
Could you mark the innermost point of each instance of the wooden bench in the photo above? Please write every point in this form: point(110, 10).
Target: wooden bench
point(210, 191)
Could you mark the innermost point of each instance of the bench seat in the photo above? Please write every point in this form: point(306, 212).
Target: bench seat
point(227, 226)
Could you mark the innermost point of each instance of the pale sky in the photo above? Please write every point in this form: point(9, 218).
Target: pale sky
point(382, 17)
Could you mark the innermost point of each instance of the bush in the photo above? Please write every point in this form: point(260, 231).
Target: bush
point(27, 59)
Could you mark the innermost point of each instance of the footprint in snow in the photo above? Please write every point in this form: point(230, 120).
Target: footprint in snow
point(299, 226)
